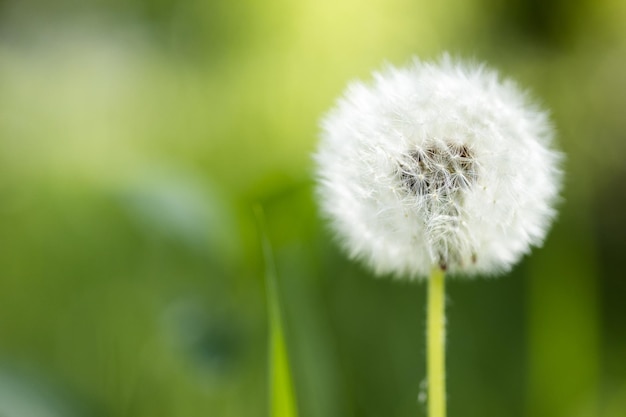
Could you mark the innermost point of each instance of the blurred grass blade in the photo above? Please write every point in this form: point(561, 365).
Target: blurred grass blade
point(282, 400)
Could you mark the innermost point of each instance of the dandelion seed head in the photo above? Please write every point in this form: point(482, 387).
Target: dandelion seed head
point(437, 164)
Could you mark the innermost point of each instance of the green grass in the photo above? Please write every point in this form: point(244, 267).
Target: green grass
point(282, 399)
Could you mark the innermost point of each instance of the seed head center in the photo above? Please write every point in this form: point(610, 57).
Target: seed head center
point(438, 170)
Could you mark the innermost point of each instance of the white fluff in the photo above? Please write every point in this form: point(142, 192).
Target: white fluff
point(438, 163)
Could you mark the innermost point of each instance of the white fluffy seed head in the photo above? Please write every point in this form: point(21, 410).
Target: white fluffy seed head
point(437, 164)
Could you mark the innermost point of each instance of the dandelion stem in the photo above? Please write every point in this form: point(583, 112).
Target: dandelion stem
point(436, 335)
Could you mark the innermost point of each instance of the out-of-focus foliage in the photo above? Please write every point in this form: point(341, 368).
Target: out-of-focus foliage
point(135, 138)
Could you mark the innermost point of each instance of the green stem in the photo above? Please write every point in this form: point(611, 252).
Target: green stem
point(436, 339)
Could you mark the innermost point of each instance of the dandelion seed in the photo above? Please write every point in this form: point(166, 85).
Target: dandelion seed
point(437, 164)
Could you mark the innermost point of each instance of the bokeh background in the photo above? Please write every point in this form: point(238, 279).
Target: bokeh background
point(136, 137)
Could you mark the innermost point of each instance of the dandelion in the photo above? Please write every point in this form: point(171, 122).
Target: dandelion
point(437, 167)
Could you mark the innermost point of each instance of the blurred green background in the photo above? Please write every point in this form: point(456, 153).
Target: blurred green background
point(135, 138)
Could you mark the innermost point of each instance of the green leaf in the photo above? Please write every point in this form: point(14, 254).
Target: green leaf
point(282, 399)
